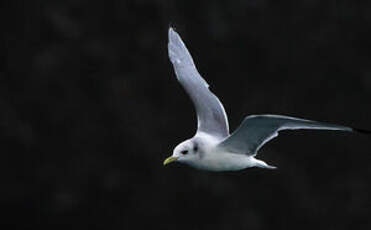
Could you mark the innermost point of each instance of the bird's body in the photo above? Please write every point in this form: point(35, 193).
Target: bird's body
point(213, 148)
point(223, 161)
point(213, 158)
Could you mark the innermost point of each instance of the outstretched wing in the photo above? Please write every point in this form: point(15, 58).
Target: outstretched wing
point(256, 130)
point(211, 116)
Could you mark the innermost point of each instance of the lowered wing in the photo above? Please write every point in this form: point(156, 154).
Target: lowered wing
point(256, 130)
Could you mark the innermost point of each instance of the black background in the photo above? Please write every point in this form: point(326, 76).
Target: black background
point(90, 107)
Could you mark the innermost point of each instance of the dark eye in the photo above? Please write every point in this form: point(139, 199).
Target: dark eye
point(184, 152)
point(195, 148)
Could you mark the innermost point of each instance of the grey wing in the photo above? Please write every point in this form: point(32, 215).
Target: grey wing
point(256, 130)
point(211, 115)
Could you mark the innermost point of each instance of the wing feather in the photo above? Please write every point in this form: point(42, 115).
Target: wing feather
point(256, 130)
point(211, 115)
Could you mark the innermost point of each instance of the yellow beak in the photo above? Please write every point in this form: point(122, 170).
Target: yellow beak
point(169, 160)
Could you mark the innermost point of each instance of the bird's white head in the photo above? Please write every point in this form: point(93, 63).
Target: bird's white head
point(185, 152)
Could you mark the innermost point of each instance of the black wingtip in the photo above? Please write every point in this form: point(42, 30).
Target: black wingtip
point(363, 131)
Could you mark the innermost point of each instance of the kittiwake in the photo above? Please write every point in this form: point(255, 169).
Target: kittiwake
point(213, 148)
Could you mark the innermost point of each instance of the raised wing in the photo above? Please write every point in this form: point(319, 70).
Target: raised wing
point(256, 130)
point(211, 116)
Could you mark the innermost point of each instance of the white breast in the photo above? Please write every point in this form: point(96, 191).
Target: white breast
point(222, 161)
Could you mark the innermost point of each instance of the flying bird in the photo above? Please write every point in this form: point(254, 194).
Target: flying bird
point(213, 148)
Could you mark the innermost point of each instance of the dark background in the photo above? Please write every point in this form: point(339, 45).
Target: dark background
point(90, 107)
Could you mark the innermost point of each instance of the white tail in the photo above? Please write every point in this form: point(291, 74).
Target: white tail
point(262, 164)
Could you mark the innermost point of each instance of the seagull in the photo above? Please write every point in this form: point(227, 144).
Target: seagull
point(212, 148)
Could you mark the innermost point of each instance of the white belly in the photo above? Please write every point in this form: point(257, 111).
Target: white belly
point(221, 161)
